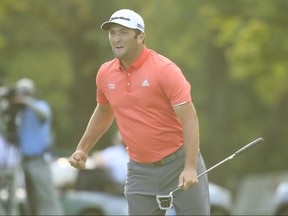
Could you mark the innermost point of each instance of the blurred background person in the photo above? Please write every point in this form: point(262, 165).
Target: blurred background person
point(9, 173)
point(33, 127)
point(10, 160)
point(114, 158)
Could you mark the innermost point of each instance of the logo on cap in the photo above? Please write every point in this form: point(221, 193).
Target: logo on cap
point(140, 26)
point(123, 18)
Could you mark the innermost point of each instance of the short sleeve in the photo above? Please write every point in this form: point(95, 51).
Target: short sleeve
point(100, 97)
point(174, 84)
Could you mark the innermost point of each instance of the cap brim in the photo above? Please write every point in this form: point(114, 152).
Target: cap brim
point(106, 25)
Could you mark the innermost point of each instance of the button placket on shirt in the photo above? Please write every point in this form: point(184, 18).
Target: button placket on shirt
point(128, 81)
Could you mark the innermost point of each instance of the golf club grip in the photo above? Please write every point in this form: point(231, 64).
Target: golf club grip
point(249, 145)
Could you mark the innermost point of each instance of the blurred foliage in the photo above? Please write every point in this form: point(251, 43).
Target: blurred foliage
point(234, 54)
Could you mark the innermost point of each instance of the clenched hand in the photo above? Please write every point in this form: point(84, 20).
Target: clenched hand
point(78, 159)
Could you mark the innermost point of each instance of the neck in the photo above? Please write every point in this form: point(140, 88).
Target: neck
point(126, 63)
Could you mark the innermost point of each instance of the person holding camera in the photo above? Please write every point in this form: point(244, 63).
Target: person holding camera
point(33, 127)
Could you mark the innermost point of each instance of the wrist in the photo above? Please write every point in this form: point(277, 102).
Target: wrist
point(82, 154)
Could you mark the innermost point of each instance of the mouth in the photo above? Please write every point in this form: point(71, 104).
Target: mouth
point(119, 47)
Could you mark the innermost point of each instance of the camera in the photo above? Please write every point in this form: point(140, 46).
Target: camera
point(8, 113)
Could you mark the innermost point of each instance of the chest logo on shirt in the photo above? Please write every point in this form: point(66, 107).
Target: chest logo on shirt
point(111, 86)
point(145, 83)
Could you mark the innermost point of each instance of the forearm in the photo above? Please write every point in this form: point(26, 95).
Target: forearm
point(188, 117)
point(191, 140)
point(99, 123)
point(43, 114)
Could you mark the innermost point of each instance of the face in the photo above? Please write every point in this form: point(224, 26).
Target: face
point(126, 46)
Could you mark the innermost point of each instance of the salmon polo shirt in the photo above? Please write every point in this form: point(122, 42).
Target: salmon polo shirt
point(142, 98)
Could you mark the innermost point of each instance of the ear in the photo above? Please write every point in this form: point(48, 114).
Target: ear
point(141, 38)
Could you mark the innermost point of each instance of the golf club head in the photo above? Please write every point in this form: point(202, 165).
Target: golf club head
point(165, 202)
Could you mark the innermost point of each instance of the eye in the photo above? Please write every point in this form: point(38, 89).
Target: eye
point(124, 32)
point(111, 33)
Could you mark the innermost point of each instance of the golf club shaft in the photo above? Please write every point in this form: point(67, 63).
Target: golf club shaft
point(246, 147)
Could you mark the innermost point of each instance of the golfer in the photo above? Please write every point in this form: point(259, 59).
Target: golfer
point(150, 99)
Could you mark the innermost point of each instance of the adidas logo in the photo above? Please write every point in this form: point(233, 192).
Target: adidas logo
point(145, 83)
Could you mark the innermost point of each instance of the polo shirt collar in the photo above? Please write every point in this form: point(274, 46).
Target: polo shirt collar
point(138, 62)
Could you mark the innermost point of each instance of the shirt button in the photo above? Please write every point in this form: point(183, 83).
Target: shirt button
point(128, 84)
point(129, 74)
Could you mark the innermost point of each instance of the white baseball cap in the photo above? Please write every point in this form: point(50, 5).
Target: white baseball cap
point(24, 86)
point(127, 18)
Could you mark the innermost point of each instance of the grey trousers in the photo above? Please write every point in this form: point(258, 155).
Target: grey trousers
point(144, 183)
point(42, 195)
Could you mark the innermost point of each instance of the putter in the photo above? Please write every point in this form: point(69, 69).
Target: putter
point(165, 202)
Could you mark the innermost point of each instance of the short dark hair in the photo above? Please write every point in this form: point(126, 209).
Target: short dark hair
point(137, 32)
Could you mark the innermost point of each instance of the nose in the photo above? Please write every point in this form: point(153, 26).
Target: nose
point(115, 37)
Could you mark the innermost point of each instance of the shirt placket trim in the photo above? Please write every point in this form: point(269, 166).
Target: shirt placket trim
point(128, 80)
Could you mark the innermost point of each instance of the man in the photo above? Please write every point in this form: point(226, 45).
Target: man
point(33, 129)
point(151, 102)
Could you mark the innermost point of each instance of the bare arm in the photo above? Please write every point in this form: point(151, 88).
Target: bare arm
point(188, 117)
point(99, 123)
point(43, 113)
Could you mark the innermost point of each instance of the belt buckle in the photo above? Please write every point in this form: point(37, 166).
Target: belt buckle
point(157, 163)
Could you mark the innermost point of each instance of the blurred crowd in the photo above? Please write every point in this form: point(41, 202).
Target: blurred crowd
point(26, 159)
point(25, 144)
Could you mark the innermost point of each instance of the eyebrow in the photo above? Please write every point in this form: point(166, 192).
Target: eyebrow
point(120, 27)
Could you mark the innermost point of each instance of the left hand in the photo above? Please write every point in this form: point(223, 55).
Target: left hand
point(188, 178)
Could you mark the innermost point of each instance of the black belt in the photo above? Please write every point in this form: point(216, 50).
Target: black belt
point(165, 160)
